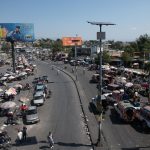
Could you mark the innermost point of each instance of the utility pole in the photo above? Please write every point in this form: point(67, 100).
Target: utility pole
point(100, 36)
point(13, 56)
point(75, 41)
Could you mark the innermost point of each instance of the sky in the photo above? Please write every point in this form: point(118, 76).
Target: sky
point(68, 18)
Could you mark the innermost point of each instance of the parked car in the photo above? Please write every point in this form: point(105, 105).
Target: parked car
point(39, 87)
point(31, 115)
point(144, 116)
point(125, 110)
point(38, 99)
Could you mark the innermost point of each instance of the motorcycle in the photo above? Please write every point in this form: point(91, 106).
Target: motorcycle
point(5, 141)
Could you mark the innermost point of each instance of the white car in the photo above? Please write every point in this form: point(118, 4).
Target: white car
point(38, 99)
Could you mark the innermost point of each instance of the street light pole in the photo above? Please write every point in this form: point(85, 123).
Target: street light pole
point(13, 57)
point(100, 89)
point(75, 41)
point(100, 36)
point(75, 61)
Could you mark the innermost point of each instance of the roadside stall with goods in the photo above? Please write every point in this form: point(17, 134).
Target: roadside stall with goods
point(22, 75)
point(9, 94)
point(11, 78)
point(6, 107)
point(29, 71)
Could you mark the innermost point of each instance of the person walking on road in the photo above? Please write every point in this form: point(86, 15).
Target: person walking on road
point(24, 133)
point(20, 135)
point(58, 71)
point(50, 140)
point(83, 70)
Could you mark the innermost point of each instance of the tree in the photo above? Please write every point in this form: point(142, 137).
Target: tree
point(143, 42)
point(126, 57)
point(106, 57)
point(57, 46)
point(6, 47)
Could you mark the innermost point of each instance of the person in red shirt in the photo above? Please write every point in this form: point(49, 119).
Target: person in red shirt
point(23, 107)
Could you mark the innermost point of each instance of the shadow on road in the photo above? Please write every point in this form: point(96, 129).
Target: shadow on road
point(72, 144)
point(115, 119)
point(29, 141)
point(44, 147)
point(137, 148)
point(139, 128)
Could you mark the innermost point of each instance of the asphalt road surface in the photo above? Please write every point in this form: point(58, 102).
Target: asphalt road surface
point(119, 135)
point(61, 114)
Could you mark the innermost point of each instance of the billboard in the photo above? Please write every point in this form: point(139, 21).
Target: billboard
point(83, 51)
point(17, 31)
point(71, 41)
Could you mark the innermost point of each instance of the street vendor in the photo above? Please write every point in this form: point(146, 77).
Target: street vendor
point(23, 107)
point(136, 97)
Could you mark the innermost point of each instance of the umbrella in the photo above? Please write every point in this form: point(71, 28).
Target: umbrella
point(11, 77)
point(1, 90)
point(24, 99)
point(6, 75)
point(27, 69)
point(20, 66)
point(8, 104)
point(22, 74)
point(3, 78)
point(11, 91)
point(18, 85)
point(129, 84)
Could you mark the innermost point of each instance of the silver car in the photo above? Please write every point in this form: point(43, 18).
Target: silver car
point(32, 115)
point(38, 99)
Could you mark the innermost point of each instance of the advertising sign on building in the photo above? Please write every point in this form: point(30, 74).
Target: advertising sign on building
point(72, 41)
point(17, 31)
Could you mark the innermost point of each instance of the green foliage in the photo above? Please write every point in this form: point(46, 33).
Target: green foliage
point(106, 57)
point(126, 57)
point(143, 42)
point(147, 67)
point(5, 47)
point(118, 45)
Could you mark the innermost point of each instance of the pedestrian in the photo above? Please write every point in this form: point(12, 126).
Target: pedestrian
point(50, 140)
point(72, 70)
point(24, 133)
point(18, 90)
point(83, 70)
point(58, 72)
point(10, 118)
point(20, 136)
